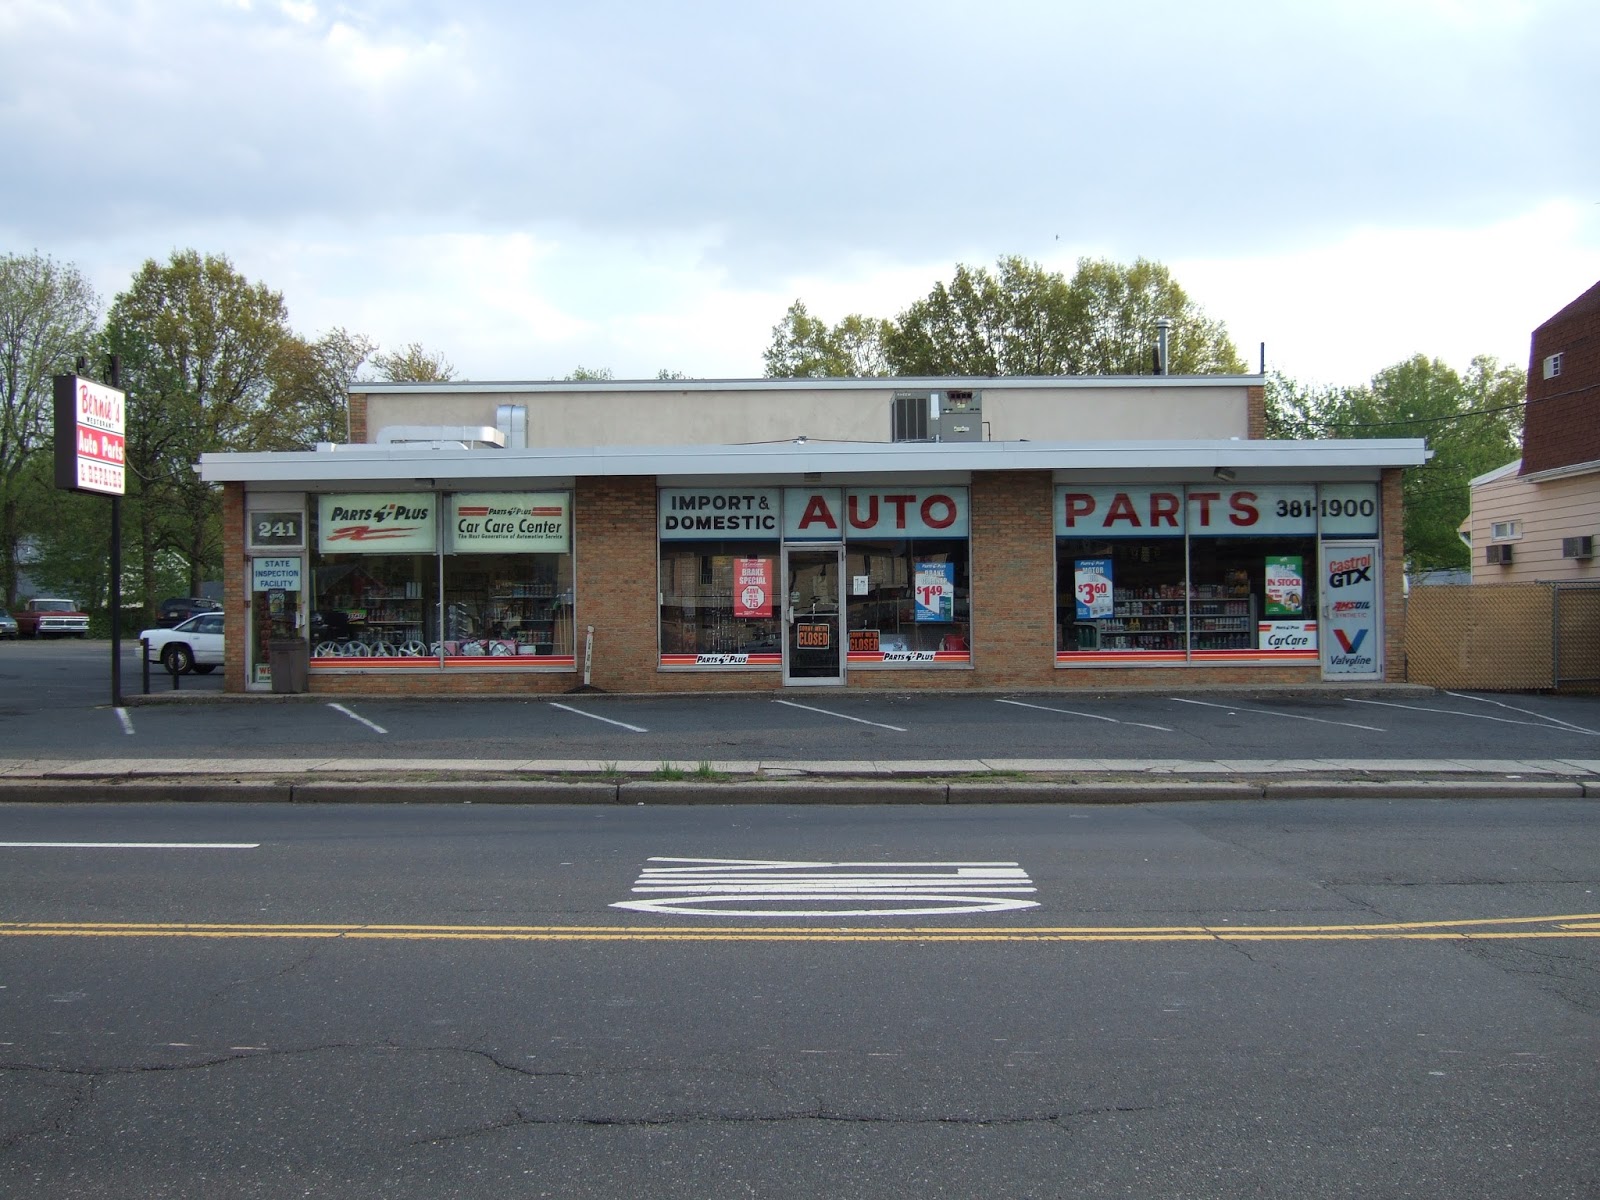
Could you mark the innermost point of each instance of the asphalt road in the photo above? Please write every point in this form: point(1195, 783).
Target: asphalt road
point(1308, 999)
point(55, 703)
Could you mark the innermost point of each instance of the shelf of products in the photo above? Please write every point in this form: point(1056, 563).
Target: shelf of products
point(1214, 617)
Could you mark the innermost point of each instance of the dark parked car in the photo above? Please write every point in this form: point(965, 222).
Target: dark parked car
point(181, 608)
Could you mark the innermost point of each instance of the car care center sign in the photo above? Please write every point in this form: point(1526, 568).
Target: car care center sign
point(510, 522)
point(377, 523)
point(1350, 592)
point(91, 447)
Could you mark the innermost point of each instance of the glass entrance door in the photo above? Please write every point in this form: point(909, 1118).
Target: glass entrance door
point(276, 586)
point(813, 593)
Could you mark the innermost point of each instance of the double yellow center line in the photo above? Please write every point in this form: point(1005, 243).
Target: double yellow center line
point(1576, 925)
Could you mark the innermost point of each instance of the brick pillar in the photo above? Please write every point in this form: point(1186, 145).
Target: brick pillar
point(235, 588)
point(1013, 579)
point(356, 417)
point(614, 532)
point(1255, 399)
point(1392, 502)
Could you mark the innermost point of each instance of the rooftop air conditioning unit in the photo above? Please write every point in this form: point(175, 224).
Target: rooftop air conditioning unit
point(1578, 547)
point(1498, 555)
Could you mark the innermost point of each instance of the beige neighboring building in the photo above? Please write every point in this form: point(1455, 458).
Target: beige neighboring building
point(1538, 518)
point(1524, 530)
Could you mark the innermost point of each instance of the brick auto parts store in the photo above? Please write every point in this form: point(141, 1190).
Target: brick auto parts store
point(451, 559)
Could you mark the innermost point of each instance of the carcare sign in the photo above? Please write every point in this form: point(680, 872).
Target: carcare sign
point(377, 523)
point(91, 449)
point(935, 591)
point(828, 514)
point(752, 587)
point(1091, 588)
point(510, 522)
point(1285, 585)
point(1350, 597)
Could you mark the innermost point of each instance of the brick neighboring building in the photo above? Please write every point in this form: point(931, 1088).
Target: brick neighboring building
point(1538, 518)
point(695, 535)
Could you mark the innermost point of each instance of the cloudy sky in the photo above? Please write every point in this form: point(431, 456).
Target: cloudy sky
point(527, 187)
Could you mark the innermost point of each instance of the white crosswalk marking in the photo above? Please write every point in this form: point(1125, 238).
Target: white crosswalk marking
point(779, 888)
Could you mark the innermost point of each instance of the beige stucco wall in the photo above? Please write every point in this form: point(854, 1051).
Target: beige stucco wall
point(612, 417)
point(1548, 511)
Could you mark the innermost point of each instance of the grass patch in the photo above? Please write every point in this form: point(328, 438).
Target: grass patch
point(704, 771)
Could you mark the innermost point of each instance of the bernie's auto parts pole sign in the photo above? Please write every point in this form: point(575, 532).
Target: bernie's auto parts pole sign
point(91, 443)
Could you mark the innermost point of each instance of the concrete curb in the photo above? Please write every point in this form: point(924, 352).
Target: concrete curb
point(1164, 790)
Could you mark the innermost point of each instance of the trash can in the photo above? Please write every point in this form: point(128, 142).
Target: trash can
point(289, 658)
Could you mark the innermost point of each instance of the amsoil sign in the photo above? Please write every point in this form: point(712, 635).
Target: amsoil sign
point(91, 450)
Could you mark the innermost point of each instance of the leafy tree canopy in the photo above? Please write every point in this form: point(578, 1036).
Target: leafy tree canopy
point(1472, 423)
point(1018, 319)
point(413, 364)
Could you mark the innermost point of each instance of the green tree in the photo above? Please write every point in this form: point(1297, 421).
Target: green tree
point(412, 364)
point(1472, 423)
point(311, 389)
point(805, 347)
point(1112, 323)
point(48, 313)
point(589, 374)
point(198, 343)
point(1018, 319)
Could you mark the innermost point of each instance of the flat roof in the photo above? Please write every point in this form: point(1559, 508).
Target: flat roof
point(802, 459)
point(934, 383)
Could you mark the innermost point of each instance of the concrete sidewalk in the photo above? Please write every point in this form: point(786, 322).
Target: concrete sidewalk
point(954, 781)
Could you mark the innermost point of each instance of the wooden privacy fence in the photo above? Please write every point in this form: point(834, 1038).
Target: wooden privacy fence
point(1504, 636)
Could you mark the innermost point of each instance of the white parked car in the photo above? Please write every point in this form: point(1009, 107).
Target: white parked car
point(192, 645)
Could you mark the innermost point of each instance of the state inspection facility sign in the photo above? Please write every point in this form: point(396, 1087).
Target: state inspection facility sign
point(91, 443)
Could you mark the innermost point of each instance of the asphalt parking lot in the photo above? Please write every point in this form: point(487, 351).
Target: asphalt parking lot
point(56, 703)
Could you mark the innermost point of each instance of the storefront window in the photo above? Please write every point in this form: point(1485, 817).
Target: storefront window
point(375, 578)
point(719, 573)
point(907, 600)
point(508, 578)
point(907, 582)
point(1196, 572)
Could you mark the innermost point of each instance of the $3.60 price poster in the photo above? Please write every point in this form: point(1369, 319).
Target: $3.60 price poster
point(1091, 587)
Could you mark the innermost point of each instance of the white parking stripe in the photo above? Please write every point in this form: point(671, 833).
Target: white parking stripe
point(1267, 712)
point(354, 717)
point(1563, 727)
point(130, 845)
point(1528, 711)
point(127, 721)
point(841, 716)
point(592, 717)
point(1092, 716)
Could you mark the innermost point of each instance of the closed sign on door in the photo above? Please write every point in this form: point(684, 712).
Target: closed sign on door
point(813, 637)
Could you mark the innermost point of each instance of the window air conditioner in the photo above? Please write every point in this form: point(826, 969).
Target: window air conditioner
point(1578, 547)
point(1498, 555)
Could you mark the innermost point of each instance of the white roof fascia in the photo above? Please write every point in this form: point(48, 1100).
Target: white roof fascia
point(1511, 468)
point(1583, 468)
point(401, 463)
point(829, 384)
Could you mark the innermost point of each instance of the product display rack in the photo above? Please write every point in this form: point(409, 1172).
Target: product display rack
point(526, 611)
point(1158, 619)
